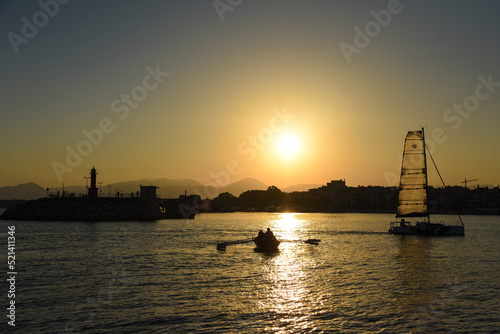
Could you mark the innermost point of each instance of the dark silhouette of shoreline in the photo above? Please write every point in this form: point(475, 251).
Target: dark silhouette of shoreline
point(336, 197)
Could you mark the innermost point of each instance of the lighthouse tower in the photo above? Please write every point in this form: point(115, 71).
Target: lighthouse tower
point(93, 187)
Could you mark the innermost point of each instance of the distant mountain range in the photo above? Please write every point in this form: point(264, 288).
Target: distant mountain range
point(26, 191)
point(301, 187)
point(174, 187)
point(167, 188)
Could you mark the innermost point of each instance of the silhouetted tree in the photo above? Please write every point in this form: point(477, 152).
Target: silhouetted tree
point(274, 196)
point(253, 199)
point(224, 202)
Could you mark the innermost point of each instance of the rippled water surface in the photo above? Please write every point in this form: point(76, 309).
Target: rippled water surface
point(168, 277)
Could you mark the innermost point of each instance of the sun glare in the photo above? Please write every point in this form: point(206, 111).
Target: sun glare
point(288, 221)
point(288, 145)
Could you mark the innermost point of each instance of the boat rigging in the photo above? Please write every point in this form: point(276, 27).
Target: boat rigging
point(413, 193)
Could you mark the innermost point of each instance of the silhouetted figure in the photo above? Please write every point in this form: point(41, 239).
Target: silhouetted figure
point(270, 234)
point(266, 242)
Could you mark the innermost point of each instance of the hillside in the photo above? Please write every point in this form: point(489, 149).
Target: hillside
point(25, 191)
point(301, 187)
point(236, 188)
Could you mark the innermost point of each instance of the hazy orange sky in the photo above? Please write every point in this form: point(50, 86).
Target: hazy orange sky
point(206, 89)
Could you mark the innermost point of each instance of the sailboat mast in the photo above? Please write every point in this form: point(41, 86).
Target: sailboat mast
point(426, 178)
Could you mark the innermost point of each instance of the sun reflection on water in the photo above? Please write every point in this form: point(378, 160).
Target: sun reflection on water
point(287, 296)
point(288, 221)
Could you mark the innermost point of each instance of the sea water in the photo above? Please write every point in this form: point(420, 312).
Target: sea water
point(168, 277)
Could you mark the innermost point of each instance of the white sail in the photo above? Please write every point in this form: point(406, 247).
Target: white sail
point(413, 183)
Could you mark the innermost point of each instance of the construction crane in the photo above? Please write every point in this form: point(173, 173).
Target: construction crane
point(465, 182)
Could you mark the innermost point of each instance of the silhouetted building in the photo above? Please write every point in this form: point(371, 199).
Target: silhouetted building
point(148, 194)
point(336, 184)
point(483, 200)
point(93, 183)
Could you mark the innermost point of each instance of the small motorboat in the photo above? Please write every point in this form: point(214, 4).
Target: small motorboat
point(266, 242)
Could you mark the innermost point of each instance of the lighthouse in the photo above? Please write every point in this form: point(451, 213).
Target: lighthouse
point(93, 182)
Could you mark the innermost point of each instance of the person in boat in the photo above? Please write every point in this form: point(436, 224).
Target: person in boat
point(403, 222)
point(270, 234)
point(261, 234)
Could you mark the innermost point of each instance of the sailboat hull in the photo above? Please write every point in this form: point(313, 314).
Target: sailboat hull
point(427, 229)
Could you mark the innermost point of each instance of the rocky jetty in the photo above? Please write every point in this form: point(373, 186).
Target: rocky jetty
point(86, 209)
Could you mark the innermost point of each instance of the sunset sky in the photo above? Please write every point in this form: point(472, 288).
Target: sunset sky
point(208, 89)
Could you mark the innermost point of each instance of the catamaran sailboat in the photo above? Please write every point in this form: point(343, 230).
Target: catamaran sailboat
point(413, 193)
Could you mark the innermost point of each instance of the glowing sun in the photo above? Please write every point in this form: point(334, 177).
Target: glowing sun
point(288, 144)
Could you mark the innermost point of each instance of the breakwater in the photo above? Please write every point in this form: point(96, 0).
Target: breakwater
point(86, 209)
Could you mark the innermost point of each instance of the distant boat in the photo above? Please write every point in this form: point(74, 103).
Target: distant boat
point(413, 193)
point(266, 242)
